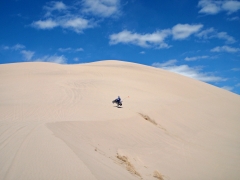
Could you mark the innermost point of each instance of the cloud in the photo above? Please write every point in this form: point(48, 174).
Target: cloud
point(235, 69)
point(225, 49)
point(16, 47)
point(195, 58)
point(209, 6)
point(5, 47)
point(64, 49)
point(212, 33)
point(231, 6)
point(57, 14)
point(45, 24)
point(185, 70)
point(183, 31)
point(54, 6)
point(21, 49)
point(76, 59)
point(79, 49)
point(70, 49)
point(53, 59)
point(225, 36)
point(229, 88)
point(102, 8)
point(155, 39)
point(142, 52)
point(74, 23)
point(27, 54)
point(233, 18)
point(206, 33)
point(77, 24)
point(171, 62)
point(238, 85)
point(212, 7)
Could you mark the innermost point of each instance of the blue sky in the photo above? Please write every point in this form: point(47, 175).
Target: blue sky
point(196, 38)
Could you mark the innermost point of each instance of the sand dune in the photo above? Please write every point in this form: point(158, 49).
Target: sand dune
point(58, 122)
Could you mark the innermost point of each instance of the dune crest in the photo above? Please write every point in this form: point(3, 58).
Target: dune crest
point(58, 122)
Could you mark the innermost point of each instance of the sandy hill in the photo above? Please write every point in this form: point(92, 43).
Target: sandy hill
point(58, 122)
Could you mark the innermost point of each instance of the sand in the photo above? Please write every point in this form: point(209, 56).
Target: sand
point(58, 122)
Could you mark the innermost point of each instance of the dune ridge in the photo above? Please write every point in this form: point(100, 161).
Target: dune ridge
point(58, 122)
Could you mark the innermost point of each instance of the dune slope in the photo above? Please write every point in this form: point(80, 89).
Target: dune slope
point(58, 122)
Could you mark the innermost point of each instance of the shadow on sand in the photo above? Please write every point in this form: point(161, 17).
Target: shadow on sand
point(118, 106)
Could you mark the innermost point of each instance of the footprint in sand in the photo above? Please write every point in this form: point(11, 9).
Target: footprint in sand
point(124, 160)
point(158, 175)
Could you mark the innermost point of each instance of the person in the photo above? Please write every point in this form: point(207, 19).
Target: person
point(118, 99)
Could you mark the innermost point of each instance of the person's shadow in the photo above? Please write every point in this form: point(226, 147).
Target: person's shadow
point(118, 106)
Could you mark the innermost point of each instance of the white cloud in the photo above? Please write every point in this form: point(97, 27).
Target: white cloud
point(225, 36)
point(212, 7)
point(53, 59)
point(195, 58)
point(5, 47)
point(18, 47)
point(76, 59)
point(64, 49)
point(142, 52)
point(79, 49)
point(209, 6)
point(178, 32)
point(55, 5)
point(169, 63)
point(235, 69)
point(185, 70)
point(27, 54)
point(231, 6)
point(212, 33)
point(225, 49)
point(238, 85)
point(45, 24)
point(206, 33)
point(155, 39)
point(233, 18)
point(183, 31)
point(102, 8)
point(60, 15)
point(70, 49)
point(229, 88)
point(74, 23)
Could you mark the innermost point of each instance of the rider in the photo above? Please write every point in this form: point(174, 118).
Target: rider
point(118, 99)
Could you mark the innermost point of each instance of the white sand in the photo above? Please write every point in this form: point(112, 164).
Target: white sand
point(58, 122)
